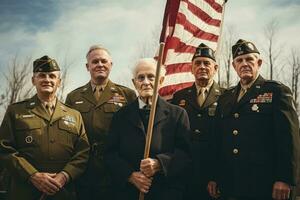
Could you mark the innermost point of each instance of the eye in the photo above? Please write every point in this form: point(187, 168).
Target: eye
point(141, 77)
point(151, 77)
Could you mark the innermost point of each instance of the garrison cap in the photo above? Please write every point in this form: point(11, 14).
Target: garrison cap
point(242, 47)
point(204, 51)
point(45, 64)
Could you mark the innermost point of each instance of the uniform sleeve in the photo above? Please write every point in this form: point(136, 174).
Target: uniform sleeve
point(287, 135)
point(78, 162)
point(9, 155)
point(68, 100)
point(174, 163)
point(130, 95)
point(119, 168)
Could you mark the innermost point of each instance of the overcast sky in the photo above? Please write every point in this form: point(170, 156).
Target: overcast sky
point(65, 29)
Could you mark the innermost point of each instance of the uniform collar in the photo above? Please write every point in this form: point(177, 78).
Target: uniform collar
point(247, 86)
point(102, 86)
point(206, 88)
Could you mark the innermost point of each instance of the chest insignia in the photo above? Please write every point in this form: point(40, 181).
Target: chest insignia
point(117, 99)
point(255, 108)
point(28, 139)
point(78, 102)
point(69, 120)
point(182, 102)
point(263, 98)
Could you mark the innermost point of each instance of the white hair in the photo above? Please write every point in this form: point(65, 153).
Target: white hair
point(148, 61)
point(95, 47)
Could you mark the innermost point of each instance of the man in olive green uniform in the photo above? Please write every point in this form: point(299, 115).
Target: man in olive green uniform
point(257, 134)
point(97, 101)
point(42, 142)
point(200, 102)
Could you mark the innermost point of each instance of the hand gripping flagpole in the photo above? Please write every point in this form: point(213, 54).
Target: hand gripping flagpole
point(153, 107)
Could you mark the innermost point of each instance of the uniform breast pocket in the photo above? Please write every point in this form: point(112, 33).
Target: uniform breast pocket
point(261, 109)
point(67, 133)
point(82, 106)
point(28, 132)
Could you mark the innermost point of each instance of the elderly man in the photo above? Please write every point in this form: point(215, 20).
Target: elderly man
point(257, 133)
point(162, 175)
point(200, 102)
point(97, 101)
point(42, 142)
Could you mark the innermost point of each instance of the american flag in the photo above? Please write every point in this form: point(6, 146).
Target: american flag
point(186, 24)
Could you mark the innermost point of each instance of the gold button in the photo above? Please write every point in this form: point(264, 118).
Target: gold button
point(236, 115)
point(197, 131)
point(235, 151)
point(199, 115)
point(235, 132)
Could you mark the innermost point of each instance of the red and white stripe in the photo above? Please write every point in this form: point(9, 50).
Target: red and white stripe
point(187, 23)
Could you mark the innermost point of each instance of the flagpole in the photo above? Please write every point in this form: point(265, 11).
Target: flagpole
point(221, 30)
point(153, 107)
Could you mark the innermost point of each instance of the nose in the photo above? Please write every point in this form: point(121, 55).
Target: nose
point(244, 62)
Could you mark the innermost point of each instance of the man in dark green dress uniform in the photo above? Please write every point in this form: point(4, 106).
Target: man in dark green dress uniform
point(200, 102)
point(97, 101)
point(257, 134)
point(43, 143)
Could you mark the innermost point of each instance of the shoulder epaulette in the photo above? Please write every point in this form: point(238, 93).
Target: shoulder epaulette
point(274, 82)
point(20, 102)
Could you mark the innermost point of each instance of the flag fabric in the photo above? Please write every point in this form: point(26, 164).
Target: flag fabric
point(186, 24)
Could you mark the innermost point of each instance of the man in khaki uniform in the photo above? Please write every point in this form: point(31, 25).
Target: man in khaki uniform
point(97, 101)
point(42, 142)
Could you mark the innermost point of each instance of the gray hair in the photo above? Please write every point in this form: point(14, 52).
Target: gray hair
point(148, 61)
point(94, 47)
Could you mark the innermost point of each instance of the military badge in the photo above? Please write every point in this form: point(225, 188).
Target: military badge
point(263, 98)
point(32, 103)
point(69, 120)
point(212, 111)
point(29, 139)
point(255, 108)
point(182, 102)
point(78, 102)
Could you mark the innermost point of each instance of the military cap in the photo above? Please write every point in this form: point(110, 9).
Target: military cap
point(242, 47)
point(204, 51)
point(45, 64)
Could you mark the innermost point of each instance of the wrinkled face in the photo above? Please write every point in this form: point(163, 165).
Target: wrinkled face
point(99, 64)
point(46, 82)
point(204, 68)
point(247, 66)
point(144, 79)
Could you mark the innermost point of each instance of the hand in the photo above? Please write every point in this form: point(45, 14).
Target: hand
point(140, 181)
point(281, 191)
point(213, 190)
point(149, 166)
point(61, 179)
point(45, 182)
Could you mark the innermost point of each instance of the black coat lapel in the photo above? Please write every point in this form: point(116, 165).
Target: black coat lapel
point(213, 95)
point(134, 116)
point(252, 92)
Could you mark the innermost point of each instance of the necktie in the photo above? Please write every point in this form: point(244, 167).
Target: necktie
point(242, 93)
point(97, 92)
point(202, 96)
point(49, 108)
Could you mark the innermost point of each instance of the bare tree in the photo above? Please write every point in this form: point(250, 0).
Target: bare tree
point(225, 56)
point(273, 51)
point(17, 81)
point(294, 62)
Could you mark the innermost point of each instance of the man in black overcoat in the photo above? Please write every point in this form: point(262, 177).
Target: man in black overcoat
point(161, 176)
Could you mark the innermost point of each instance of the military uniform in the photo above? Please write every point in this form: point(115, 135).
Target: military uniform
point(258, 139)
point(202, 124)
point(32, 141)
point(97, 118)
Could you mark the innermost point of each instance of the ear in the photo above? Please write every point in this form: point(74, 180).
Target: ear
point(216, 67)
point(161, 80)
point(233, 65)
point(32, 80)
point(259, 62)
point(59, 82)
point(133, 82)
